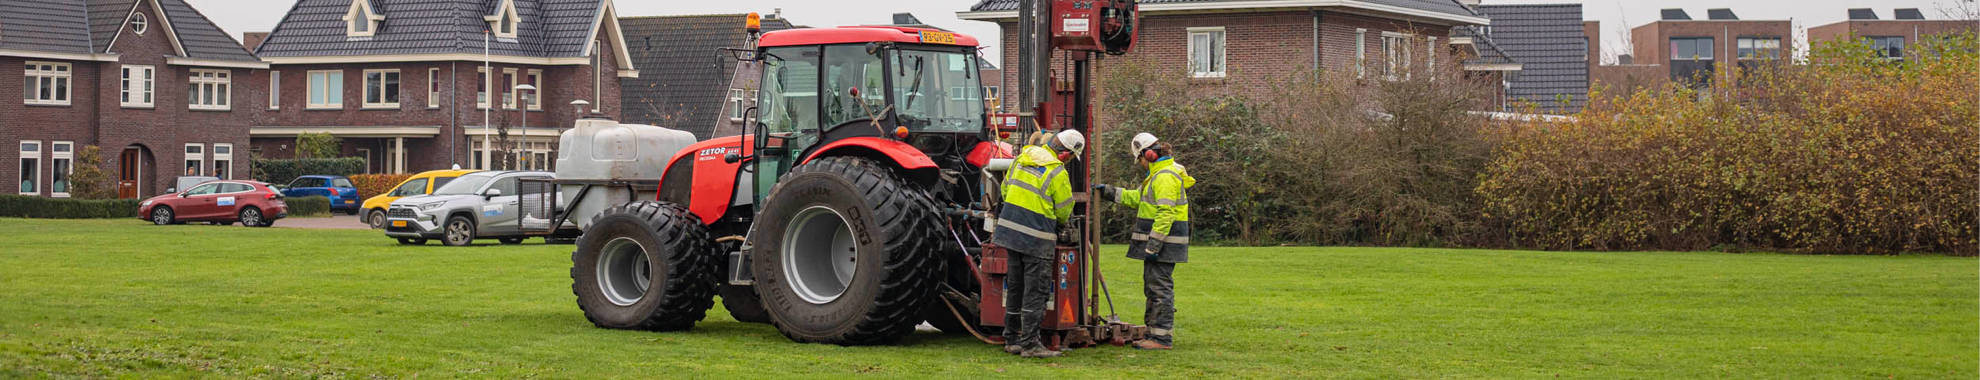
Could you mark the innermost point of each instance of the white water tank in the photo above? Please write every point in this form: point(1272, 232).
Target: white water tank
point(603, 149)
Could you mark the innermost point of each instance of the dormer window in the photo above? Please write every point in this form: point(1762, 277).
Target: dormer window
point(505, 21)
point(361, 20)
point(139, 24)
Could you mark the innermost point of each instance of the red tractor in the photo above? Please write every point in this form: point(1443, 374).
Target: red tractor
point(850, 211)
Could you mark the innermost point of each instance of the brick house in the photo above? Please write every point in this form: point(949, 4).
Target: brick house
point(1890, 37)
point(149, 82)
point(413, 85)
point(1678, 48)
point(704, 89)
point(1243, 45)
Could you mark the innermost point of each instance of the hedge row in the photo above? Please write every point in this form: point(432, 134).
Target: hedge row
point(281, 172)
point(308, 206)
point(22, 206)
point(372, 185)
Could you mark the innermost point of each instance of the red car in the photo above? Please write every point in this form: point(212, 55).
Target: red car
point(253, 204)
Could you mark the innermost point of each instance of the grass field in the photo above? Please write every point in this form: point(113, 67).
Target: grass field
point(119, 298)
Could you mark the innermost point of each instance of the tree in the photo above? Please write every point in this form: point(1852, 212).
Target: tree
point(318, 145)
point(88, 180)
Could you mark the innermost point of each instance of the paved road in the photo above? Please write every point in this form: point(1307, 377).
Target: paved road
point(338, 222)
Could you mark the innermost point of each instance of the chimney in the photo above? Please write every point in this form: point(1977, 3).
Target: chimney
point(252, 40)
point(1721, 14)
point(1676, 14)
point(1861, 14)
point(1909, 14)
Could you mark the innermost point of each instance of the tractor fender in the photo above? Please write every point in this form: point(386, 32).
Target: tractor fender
point(714, 181)
point(913, 164)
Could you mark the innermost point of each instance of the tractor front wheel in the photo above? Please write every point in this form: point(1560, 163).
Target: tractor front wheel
point(645, 266)
point(846, 253)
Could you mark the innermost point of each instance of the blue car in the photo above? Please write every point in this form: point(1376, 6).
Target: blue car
point(343, 195)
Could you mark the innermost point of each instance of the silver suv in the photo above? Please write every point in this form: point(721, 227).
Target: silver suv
point(476, 205)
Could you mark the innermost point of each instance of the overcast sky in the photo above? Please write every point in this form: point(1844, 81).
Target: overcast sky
point(238, 16)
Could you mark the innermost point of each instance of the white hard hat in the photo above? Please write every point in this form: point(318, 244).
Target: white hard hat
point(1142, 141)
point(1073, 140)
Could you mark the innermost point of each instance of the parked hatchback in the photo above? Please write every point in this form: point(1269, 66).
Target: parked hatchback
point(342, 193)
point(253, 204)
point(419, 184)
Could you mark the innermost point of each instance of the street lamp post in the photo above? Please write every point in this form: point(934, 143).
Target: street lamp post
point(522, 105)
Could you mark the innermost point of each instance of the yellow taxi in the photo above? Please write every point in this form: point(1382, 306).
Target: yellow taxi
point(419, 184)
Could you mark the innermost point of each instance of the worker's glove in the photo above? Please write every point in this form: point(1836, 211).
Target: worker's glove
point(1151, 250)
point(1109, 193)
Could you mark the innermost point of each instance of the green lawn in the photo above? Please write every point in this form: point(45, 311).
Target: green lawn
point(119, 298)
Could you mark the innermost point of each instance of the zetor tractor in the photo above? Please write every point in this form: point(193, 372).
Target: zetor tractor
point(851, 208)
point(829, 217)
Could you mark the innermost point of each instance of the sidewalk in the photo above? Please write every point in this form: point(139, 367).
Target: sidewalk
point(338, 222)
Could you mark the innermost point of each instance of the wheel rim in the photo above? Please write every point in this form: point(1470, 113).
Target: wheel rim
point(250, 217)
point(161, 216)
point(457, 231)
point(623, 271)
point(377, 219)
point(819, 254)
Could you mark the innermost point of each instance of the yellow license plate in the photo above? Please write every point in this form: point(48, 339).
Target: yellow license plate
point(934, 37)
point(398, 223)
point(349, 201)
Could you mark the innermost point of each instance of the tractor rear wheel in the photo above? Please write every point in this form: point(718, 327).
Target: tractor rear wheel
point(645, 266)
point(846, 252)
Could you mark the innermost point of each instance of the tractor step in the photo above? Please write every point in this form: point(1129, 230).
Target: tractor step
point(739, 273)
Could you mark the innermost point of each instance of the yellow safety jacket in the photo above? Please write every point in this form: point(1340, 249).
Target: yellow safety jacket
point(1162, 212)
point(1037, 198)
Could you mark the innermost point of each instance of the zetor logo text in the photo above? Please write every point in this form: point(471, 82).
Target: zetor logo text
point(714, 153)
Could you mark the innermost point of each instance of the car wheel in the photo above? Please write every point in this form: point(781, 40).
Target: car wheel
point(412, 241)
point(161, 215)
point(460, 231)
point(512, 240)
point(225, 223)
point(376, 219)
point(252, 217)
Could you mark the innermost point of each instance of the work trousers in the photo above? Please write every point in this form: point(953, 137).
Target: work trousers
point(1028, 286)
point(1159, 285)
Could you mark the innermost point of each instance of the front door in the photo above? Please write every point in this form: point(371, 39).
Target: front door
point(501, 216)
point(127, 174)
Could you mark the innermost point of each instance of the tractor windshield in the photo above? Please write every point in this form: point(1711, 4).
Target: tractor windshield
point(937, 91)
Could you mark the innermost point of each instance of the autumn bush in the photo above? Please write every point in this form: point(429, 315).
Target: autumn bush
point(1847, 153)
point(372, 185)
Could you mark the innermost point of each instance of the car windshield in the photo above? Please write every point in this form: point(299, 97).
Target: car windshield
point(465, 185)
point(938, 91)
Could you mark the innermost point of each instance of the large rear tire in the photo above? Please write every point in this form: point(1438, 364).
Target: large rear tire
point(845, 253)
point(645, 266)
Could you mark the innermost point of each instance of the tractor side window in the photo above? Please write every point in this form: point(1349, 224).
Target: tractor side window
point(789, 99)
point(938, 91)
point(411, 188)
point(848, 67)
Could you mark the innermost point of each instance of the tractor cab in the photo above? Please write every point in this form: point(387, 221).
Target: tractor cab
point(880, 92)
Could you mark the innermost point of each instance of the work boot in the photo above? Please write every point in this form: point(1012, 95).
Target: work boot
point(1150, 344)
point(1013, 349)
point(1041, 352)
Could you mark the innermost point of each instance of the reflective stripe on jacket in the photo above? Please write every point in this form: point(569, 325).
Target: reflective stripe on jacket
point(1162, 211)
point(1037, 198)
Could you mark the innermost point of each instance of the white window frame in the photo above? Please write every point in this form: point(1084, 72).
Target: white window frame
point(1222, 64)
point(195, 154)
point(59, 75)
point(433, 88)
point(275, 90)
point(137, 91)
point(61, 151)
point(385, 95)
point(331, 99)
point(535, 97)
point(220, 85)
point(1395, 46)
point(1360, 53)
point(736, 104)
point(484, 99)
point(510, 97)
point(361, 11)
point(30, 150)
point(226, 157)
point(139, 24)
point(1743, 44)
